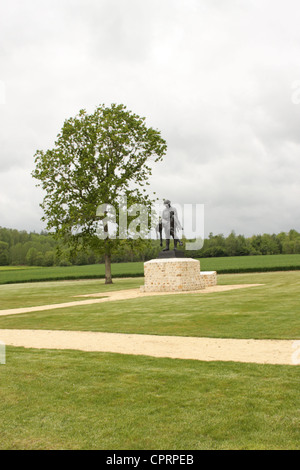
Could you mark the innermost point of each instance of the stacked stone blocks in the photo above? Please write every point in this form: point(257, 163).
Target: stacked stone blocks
point(175, 275)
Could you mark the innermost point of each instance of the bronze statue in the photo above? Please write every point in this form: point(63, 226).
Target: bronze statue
point(169, 222)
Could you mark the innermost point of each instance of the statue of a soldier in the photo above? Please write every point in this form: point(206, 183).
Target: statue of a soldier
point(170, 223)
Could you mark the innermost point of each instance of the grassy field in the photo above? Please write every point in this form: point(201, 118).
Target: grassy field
point(235, 264)
point(93, 271)
point(268, 311)
point(76, 400)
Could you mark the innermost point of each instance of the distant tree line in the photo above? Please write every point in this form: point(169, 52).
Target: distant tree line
point(239, 245)
point(41, 249)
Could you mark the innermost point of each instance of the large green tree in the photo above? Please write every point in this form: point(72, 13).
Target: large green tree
point(97, 159)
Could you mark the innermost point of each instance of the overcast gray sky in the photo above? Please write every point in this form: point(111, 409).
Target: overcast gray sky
point(219, 78)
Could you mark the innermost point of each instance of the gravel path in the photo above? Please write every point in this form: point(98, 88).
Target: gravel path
point(203, 349)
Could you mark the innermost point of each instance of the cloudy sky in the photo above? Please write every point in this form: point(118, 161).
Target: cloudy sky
point(219, 78)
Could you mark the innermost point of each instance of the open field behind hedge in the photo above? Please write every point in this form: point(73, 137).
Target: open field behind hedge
point(234, 264)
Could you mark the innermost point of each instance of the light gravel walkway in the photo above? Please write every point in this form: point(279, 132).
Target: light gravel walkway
point(202, 349)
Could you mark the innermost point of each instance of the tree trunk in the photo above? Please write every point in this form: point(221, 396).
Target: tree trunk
point(107, 260)
point(107, 257)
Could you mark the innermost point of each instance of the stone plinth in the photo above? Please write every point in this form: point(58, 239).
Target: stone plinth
point(209, 278)
point(172, 275)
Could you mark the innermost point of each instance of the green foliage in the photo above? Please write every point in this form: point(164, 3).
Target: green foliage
point(22, 248)
point(97, 159)
point(4, 253)
point(239, 245)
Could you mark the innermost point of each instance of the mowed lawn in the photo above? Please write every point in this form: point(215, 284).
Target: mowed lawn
point(76, 400)
point(271, 310)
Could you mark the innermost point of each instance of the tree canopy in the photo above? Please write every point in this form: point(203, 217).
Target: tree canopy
point(97, 159)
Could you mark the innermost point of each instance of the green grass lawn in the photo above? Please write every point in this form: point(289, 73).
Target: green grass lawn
point(75, 400)
point(93, 271)
point(16, 274)
point(268, 311)
point(43, 293)
point(235, 264)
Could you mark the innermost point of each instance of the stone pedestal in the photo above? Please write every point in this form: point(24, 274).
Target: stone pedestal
point(209, 278)
point(175, 275)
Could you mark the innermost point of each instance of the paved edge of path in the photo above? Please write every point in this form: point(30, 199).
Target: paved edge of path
point(177, 347)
